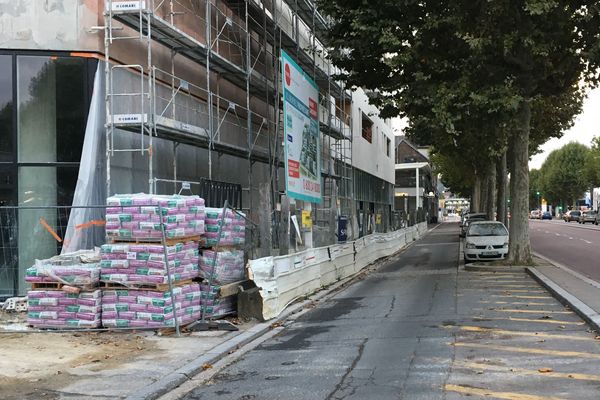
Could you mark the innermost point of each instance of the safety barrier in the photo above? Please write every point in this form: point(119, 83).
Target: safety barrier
point(283, 279)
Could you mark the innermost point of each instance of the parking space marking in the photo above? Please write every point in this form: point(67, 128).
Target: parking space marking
point(546, 321)
point(522, 297)
point(496, 286)
point(522, 371)
point(516, 303)
point(513, 349)
point(557, 336)
point(528, 311)
point(470, 390)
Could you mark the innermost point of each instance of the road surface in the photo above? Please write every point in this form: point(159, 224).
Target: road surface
point(419, 328)
point(574, 245)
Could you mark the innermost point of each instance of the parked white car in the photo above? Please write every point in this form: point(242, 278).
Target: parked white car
point(486, 240)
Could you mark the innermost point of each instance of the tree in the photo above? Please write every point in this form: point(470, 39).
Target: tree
point(563, 177)
point(450, 67)
point(535, 188)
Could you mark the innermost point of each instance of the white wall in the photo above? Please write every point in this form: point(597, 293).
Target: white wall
point(371, 157)
point(49, 24)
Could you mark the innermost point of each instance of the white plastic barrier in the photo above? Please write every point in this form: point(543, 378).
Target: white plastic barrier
point(284, 279)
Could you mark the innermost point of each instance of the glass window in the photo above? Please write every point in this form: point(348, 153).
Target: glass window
point(6, 108)
point(52, 108)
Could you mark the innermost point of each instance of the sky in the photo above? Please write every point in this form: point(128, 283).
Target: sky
point(586, 126)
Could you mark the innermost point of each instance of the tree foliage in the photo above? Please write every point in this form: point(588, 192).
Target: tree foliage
point(563, 174)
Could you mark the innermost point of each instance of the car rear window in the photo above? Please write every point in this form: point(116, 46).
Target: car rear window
point(487, 230)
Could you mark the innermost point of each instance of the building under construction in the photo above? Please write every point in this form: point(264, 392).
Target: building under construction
point(176, 96)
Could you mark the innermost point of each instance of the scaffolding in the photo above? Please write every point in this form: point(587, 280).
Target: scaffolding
point(210, 77)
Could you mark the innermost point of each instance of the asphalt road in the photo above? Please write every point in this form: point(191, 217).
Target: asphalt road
point(420, 328)
point(574, 245)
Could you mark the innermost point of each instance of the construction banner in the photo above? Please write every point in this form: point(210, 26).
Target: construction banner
point(301, 131)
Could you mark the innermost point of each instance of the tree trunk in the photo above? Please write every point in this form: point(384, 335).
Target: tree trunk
point(502, 180)
point(483, 194)
point(519, 250)
point(476, 196)
point(490, 208)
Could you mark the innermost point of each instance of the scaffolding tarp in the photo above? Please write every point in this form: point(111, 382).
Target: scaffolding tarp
point(82, 232)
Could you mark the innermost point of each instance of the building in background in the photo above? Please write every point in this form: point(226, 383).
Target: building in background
point(191, 95)
point(416, 187)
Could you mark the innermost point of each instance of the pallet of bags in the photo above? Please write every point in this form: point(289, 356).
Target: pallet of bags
point(149, 308)
point(79, 269)
point(58, 309)
point(131, 217)
point(222, 267)
point(132, 264)
point(215, 306)
point(233, 229)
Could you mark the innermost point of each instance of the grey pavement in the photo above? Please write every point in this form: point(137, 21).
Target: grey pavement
point(579, 292)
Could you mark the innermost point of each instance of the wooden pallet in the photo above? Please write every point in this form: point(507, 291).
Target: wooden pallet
point(60, 285)
point(169, 242)
point(159, 287)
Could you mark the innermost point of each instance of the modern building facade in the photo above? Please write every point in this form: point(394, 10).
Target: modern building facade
point(115, 96)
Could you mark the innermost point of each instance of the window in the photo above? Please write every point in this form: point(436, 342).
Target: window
point(52, 108)
point(388, 146)
point(367, 128)
point(6, 109)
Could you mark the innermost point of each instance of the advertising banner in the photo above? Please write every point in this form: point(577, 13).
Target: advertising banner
point(301, 132)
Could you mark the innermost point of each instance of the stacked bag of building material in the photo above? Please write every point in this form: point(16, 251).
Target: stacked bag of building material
point(215, 306)
point(78, 269)
point(233, 231)
point(151, 309)
point(132, 264)
point(138, 216)
point(64, 291)
point(60, 310)
point(220, 268)
point(78, 275)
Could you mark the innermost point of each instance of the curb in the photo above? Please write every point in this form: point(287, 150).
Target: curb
point(583, 310)
point(176, 378)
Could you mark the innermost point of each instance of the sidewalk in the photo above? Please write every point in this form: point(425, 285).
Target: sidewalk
point(580, 293)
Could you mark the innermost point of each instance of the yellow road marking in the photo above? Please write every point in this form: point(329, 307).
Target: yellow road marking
point(517, 333)
point(468, 390)
point(532, 311)
point(516, 303)
point(546, 321)
point(522, 371)
point(521, 296)
point(502, 285)
point(545, 352)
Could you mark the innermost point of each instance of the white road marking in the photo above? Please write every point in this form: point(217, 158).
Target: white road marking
point(587, 241)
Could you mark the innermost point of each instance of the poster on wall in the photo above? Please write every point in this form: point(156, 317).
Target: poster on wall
point(301, 132)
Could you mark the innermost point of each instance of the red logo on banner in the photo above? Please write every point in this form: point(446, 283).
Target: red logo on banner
point(293, 169)
point(288, 75)
point(313, 107)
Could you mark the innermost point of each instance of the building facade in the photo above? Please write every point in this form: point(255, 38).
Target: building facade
point(115, 96)
point(416, 186)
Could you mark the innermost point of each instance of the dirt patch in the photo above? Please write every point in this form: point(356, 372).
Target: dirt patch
point(35, 365)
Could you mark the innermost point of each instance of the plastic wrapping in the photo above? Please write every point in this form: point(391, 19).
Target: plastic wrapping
point(137, 216)
point(136, 264)
point(152, 309)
